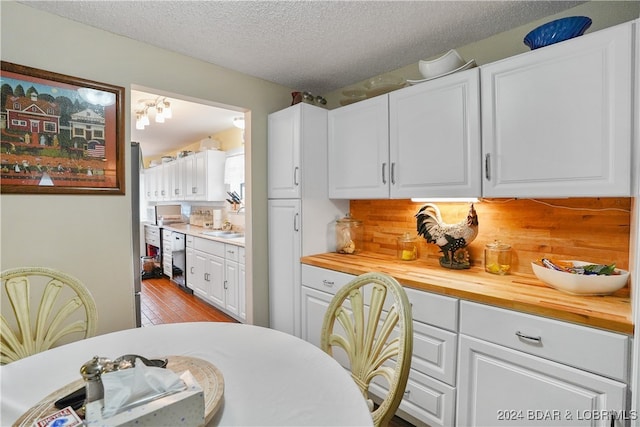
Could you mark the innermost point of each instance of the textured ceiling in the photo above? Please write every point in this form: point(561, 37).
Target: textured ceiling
point(318, 46)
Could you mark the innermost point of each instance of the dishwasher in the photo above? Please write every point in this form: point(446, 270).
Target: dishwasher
point(178, 260)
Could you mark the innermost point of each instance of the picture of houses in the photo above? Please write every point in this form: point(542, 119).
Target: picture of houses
point(51, 136)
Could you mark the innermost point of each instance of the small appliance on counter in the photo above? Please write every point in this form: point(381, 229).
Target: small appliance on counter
point(164, 214)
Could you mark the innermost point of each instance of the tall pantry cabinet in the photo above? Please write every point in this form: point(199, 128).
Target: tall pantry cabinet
point(300, 214)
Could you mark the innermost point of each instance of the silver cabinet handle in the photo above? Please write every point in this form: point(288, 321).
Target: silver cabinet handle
point(296, 182)
point(296, 227)
point(225, 284)
point(393, 173)
point(328, 283)
point(194, 190)
point(537, 339)
point(191, 269)
point(231, 252)
point(487, 166)
point(384, 174)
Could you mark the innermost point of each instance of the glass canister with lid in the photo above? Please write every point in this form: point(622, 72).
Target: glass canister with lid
point(349, 235)
point(407, 247)
point(497, 258)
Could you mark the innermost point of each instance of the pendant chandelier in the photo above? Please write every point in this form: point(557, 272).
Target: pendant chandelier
point(160, 106)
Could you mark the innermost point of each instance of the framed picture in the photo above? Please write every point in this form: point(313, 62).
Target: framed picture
point(60, 134)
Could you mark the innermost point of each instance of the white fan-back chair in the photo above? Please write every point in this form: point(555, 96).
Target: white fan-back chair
point(65, 307)
point(378, 340)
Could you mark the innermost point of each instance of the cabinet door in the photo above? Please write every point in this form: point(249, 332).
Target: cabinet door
point(175, 173)
point(283, 153)
point(434, 138)
point(194, 176)
point(214, 278)
point(150, 184)
point(498, 386)
point(242, 295)
point(314, 307)
point(556, 122)
point(359, 150)
point(284, 226)
point(191, 268)
point(232, 300)
point(198, 272)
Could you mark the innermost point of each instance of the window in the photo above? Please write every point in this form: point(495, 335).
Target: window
point(50, 111)
point(50, 127)
point(98, 134)
point(77, 131)
point(16, 105)
point(16, 122)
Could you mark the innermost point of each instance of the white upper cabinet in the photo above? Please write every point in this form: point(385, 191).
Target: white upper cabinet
point(434, 138)
point(359, 150)
point(283, 155)
point(204, 176)
point(420, 141)
point(556, 122)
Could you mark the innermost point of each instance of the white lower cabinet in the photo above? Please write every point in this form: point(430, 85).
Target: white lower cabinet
point(242, 286)
point(522, 370)
point(430, 394)
point(213, 273)
point(167, 256)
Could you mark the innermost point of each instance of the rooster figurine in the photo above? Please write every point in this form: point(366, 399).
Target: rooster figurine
point(452, 238)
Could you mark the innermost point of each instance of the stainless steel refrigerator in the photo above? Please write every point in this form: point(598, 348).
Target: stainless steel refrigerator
point(136, 168)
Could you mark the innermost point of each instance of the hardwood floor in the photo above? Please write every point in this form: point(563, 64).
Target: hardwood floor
point(162, 301)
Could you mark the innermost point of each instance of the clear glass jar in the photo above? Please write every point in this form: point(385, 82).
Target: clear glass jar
point(407, 247)
point(349, 235)
point(497, 258)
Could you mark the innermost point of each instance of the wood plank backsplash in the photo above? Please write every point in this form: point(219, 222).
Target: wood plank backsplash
point(588, 229)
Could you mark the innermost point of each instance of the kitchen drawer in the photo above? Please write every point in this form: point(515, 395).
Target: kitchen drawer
point(434, 352)
point(433, 309)
point(209, 246)
point(425, 399)
point(189, 240)
point(148, 229)
point(324, 280)
point(231, 252)
point(590, 349)
point(152, 240)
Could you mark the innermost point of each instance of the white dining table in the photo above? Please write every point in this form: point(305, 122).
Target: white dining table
point(270, 378)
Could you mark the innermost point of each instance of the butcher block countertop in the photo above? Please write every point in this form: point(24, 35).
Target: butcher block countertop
point(519, 292)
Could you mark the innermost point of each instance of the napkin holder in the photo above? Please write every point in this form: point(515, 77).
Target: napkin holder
point(184, 408)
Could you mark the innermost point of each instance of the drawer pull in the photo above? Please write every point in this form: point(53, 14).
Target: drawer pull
point(328, 283)
point(537, 340)
point(407, 393)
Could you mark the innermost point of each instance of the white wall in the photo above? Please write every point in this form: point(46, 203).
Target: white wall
point(503, 45)
point(90, 236)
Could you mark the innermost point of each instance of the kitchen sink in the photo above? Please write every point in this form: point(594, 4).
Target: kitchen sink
point(223, 234)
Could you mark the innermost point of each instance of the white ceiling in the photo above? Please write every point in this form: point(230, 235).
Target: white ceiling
point(192, 121)
point(316, 46)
